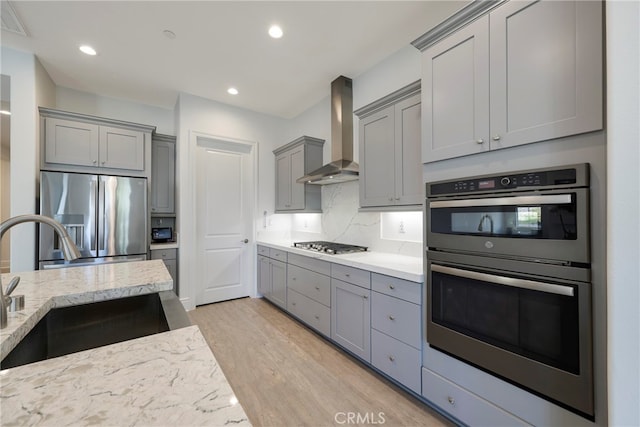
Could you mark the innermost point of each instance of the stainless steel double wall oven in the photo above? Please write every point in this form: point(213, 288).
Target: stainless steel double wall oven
point(509, 279)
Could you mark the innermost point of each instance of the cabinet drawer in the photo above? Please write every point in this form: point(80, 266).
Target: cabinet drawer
point(310, 312)
point(317, 265)
point(278, 254)
point(263, 250)
point(351, 275)
point(397, 318)
point(399, 288)
point(396, 359)
point(163, 254)
point(464, 405)
point(310, 284)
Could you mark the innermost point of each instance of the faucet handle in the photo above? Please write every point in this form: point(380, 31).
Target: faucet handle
point(12, 285)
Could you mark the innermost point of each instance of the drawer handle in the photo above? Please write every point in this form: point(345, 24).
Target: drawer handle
point(365, 296)
point(347, 274)
point(391, 358)
point(317, 317)
point(293, 278)
point(391, 287)
point(317, 288)
point(451, 400)
point(391, 317)
point(293, 303)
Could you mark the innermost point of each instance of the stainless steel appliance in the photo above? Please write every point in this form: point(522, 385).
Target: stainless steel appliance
point(329, 247)
point(106, 217)
point(509, 279)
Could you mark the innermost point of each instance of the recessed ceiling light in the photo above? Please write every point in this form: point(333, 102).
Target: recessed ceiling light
point(232, 91)
point(275, 31)
point(5, 112)
point(87, 49)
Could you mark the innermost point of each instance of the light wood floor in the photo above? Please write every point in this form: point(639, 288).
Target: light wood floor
point(285, 375)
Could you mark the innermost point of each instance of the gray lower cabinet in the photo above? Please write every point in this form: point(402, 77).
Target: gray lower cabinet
point(390, 145)
point(77, 142)
point(313, 313)
point(467, 407)
point(170, 258)
point(351, 318)
point(272, 275)
point(496, 83)
point(163, 174)
point(396, 329)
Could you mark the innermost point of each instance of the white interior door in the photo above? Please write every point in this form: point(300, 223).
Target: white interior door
point(224, 210)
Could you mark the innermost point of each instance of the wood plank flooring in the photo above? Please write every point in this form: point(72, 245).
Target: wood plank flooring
point(284, 374)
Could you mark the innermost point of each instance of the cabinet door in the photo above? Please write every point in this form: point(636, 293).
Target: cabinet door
point(279, 283)
point(163, 166)
point(71, 143)
point(351, 318)
point(377, 158)
point(297, 171)
point(408, 129)
point(283, 181)
point(264, 276)
point(546, 70)
point(121, 148)
point(455, 94)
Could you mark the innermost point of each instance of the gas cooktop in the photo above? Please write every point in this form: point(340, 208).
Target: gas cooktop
point(329, 247)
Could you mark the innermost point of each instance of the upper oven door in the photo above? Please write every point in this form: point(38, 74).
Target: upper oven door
point(549, 225)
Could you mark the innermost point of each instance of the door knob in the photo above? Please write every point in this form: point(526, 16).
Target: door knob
point(244, 241)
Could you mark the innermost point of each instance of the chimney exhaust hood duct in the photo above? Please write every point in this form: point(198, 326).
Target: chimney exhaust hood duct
point(342, 167)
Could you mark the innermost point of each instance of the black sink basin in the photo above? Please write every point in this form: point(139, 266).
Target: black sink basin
point(71, 329)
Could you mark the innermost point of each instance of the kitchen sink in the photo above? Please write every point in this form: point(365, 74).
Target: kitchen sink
point(68, 330)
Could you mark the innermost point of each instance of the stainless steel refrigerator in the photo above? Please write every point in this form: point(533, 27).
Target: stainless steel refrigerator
point(106, 217)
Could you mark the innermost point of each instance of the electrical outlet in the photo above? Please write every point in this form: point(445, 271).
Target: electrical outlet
point(401, 230)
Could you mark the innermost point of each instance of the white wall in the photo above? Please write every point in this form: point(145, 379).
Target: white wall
point(30, 86)
point(623, 183)
point(88, 103)
point(195, 114)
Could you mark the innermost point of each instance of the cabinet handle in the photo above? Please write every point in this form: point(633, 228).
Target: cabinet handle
point(347, 275)
point(317, 288)
point(391, 199)
point(391, 358)
point(103, 162)
point(95, 161)
point(391, 287)
point(244, 241)
point(317, 317)
point(397, 198)
point(293, 303)
point(480, 141)
point(391, 317)
point(293, 278)
point(496, 138)
point(365, 296)
point(451, 400)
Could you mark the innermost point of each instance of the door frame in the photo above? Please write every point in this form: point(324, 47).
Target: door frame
point(188, 238)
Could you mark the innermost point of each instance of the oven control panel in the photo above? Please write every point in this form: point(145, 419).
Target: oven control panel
point(509, 181)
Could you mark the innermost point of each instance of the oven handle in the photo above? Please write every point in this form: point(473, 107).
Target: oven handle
point(507, 281)
point(504, 201)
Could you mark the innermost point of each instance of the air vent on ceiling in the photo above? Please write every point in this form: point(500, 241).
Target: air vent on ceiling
point(10, 21)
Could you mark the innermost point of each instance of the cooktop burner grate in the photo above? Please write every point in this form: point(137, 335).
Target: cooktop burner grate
point(329, 247)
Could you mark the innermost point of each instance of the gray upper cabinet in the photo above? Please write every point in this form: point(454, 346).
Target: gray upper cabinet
point(293, 161)
point(81, 143)
point(390, 167)
point(525, 72)
point(163, 174)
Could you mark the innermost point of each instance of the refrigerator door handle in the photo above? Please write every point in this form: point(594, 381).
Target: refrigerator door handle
point(101, 217)
point(90, 232)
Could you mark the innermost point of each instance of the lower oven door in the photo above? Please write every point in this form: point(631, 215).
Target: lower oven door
point(529, 329)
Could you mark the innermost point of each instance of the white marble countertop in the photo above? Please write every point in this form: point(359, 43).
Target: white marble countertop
point(171, 378)
point(167, 379)
point(401, 266)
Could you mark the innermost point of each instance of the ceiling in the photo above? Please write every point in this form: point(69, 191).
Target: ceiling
point(218, 44)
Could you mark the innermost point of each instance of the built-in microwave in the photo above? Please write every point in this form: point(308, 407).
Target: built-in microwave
point(509, 279)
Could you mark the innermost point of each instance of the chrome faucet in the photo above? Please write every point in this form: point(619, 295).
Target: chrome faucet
point(480, 226)
point(69, 250)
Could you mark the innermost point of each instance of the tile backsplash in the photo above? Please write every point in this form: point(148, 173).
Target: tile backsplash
point(340, 221)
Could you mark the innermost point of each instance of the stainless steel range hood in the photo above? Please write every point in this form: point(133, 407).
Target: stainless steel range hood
point(342, 167)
